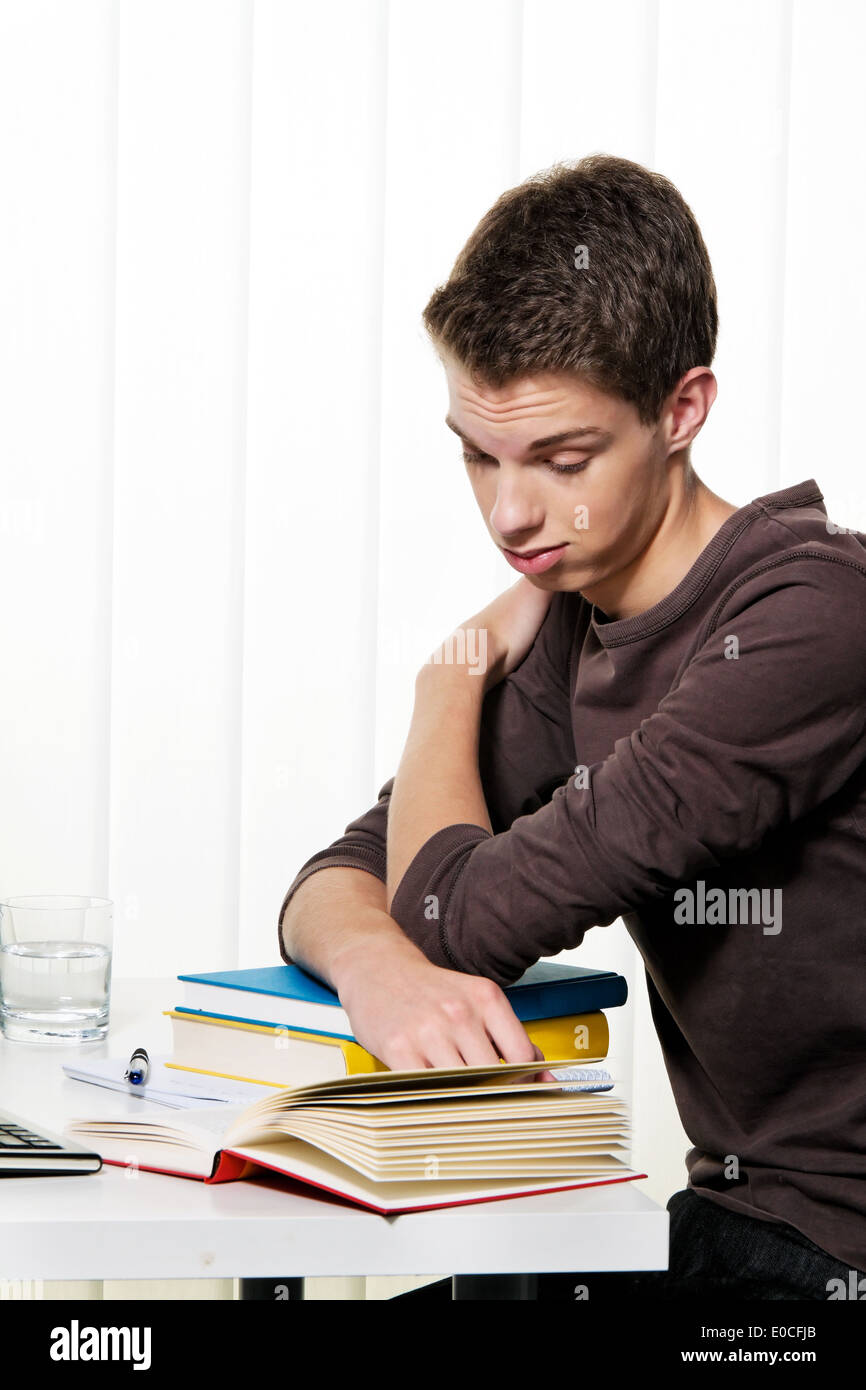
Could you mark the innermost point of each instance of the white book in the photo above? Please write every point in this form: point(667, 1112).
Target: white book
point(396, 1141)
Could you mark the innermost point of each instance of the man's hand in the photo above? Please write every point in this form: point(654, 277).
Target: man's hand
point(412, 1014)
point(509, 625)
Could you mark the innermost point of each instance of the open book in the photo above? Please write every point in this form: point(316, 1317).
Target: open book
point(396, 1141)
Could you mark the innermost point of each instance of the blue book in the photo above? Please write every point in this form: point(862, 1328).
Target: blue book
point(286, 996)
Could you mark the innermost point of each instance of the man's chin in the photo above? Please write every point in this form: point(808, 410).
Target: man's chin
point(558, 581)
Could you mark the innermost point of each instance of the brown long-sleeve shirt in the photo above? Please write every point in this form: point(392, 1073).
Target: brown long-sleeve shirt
point(698, 769)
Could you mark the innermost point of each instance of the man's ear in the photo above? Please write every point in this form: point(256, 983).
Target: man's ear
point(689, 405)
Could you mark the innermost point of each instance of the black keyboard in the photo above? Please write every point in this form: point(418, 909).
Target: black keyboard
point(28, 1152)
point(17, 1137)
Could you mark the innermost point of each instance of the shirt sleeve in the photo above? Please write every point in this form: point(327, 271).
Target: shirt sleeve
point(525, 750)
point(767, 720)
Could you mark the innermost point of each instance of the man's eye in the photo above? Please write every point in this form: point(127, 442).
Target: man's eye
point(472, 456)
point(568, 467)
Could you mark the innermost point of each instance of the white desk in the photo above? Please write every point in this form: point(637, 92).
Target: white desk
point(121, 1224)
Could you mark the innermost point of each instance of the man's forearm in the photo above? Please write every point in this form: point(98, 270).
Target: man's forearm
point(337, 916)
point(437, 782)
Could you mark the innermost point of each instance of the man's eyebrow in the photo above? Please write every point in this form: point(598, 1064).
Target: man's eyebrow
point(545, 443)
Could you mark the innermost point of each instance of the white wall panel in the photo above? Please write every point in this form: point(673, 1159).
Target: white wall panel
point(178, 487)
point(819, 335)
point(588, 76)
point(57, 138)
point(312, 478)
point(721, 136)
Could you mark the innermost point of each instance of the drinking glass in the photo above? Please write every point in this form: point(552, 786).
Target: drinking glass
point(55, 968)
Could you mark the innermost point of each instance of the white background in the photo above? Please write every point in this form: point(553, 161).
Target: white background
point(232, 521)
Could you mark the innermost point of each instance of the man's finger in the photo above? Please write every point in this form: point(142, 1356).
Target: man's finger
point(509, 1035)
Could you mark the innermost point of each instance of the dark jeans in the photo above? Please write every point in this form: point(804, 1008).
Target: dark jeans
point(714, 1254)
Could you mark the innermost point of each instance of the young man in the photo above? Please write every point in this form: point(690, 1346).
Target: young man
point(671, 729)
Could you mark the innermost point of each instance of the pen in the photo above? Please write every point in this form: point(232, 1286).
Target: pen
point(139, 1065)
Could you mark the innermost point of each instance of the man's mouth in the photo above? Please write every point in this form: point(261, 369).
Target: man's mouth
point(534, 561)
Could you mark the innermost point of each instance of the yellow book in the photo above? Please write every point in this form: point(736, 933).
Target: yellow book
point(273, 1055)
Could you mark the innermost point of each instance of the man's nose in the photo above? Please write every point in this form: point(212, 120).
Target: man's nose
point(515, 510)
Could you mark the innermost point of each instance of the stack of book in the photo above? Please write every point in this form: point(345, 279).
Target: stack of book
point(334, 1117)
point(282, 1027)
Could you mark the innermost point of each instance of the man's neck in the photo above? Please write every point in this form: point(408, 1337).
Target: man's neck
point(688, 526)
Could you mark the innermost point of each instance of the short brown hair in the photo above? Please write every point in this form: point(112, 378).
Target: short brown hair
point(632, 321)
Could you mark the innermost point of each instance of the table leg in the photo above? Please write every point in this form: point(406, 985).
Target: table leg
point(270, 1290)
point(494, 1286)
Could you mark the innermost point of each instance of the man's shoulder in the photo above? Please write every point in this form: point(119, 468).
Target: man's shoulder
point(803, 608)
point(797, 516)
point(828, 568)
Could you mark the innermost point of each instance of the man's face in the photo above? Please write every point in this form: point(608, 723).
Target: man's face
point(599, 514)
